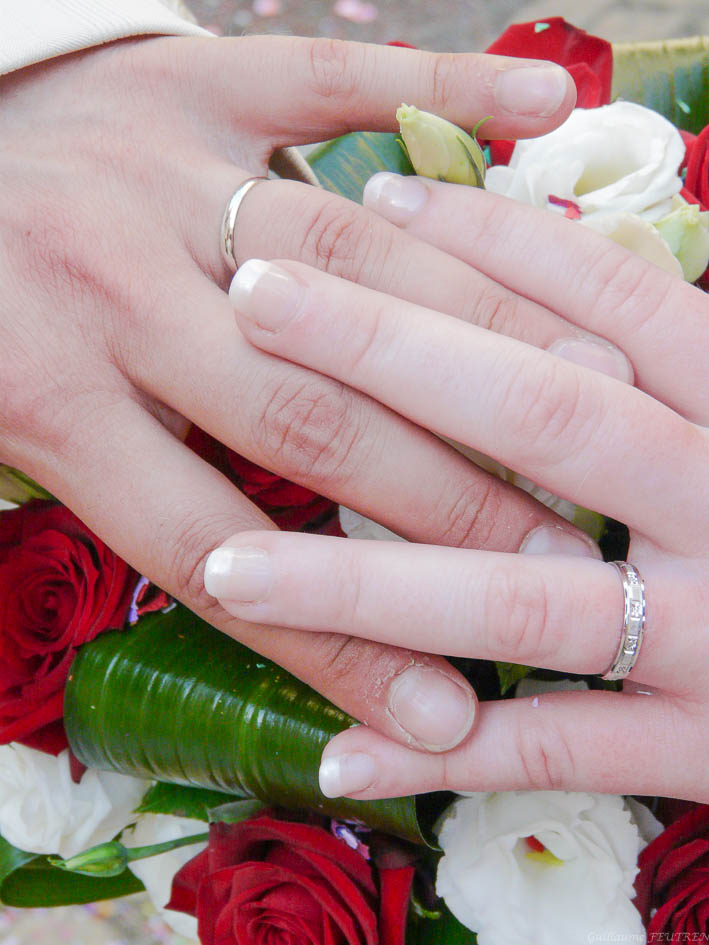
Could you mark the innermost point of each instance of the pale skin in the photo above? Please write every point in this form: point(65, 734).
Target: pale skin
point(637, 453)
point(115, 166)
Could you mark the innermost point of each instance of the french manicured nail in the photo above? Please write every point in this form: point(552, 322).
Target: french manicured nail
point(555, 540)
point(597, 355)
point(531, 90)
point(346, 774)
point(433, 709)
point(238, 574)
point(265, 294)
point(395, 197)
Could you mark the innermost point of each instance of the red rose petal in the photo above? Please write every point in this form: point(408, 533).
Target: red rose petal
point(679, 861)
point(559, 41)
point(231, 843)
point(394, 891)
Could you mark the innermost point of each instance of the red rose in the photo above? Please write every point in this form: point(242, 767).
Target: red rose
point(588, 59)
point(60, 586)
point(265, 880)
point(674, 879)
point(697, 177)
point(289, 505)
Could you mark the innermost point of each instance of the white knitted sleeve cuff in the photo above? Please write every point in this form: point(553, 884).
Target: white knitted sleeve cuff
point(34, 30)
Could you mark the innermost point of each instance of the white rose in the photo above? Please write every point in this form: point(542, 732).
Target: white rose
point(43, 811)
point(579, 890)
point(621, 157)
point(157, 872)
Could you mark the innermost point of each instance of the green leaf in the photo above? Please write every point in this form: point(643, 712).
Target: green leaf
point(15, 486)
point(182, 801)
point(39, 884)
point(445, 930)
point(12, 859)
point(235, 812)
point(510, 674)
point(669, 76)
point(176, 700)
point(345, 164)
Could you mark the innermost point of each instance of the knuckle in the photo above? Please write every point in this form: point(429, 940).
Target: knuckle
point(337, 239)
point(624, 293)
point(444, 78)
point(545, 756)
point(496, 310)
point(547, 410)
point(309, 427)
point(341, 658)
point(516, 613)
point(467, 519)
point(334, 72)
point(192, 539)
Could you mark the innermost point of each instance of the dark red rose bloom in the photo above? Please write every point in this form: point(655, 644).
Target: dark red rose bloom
point(588, 59)
point(674, 879)
point(697, 177)
point(60, 586)
point(290, 506)
point(266, 881)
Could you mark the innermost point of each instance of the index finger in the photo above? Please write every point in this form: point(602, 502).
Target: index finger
point(299, 89)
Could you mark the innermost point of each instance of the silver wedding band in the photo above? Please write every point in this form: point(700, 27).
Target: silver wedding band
point(631, 635)
point(229, 221)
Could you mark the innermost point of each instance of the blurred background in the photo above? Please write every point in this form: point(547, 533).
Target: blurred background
point(446, 25)
point(449, 25)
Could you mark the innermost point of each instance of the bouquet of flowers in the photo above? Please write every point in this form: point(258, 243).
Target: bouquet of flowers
point(140, 748)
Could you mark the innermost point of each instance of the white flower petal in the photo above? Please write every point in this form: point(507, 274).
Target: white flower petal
point(620, 157)
point(492, 884)
point(157, 872)
point(43, 811)
point(355, 525)
point(637, 234)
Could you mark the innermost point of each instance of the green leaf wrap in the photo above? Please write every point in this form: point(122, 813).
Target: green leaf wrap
point(345, 164)
point(670, 76)
point(176, 700)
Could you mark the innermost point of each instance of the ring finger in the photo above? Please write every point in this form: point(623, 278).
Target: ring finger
point(561, 613)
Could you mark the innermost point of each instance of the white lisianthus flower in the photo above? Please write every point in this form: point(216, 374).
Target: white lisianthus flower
point(355, 525)
point(157, 872)
point(622, 158)
point(43, 811)
point(541, 868)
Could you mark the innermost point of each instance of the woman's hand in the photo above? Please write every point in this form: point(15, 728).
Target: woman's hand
point(641, 456)
point(115, 167)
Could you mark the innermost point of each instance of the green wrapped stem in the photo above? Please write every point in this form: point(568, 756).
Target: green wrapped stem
point(176, 700)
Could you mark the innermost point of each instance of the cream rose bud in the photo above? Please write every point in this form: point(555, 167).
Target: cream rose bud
point(43, 811)
point(620, 157)
point(439, 149)
point(541, 868)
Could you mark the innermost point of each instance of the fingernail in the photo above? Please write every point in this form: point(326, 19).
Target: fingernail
point(394, 197)
point(555, 540)
point(266, 294)
point(238, 574)
point(346, 774)
point(433, 709)
point(597, 355)
point(532, 90)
